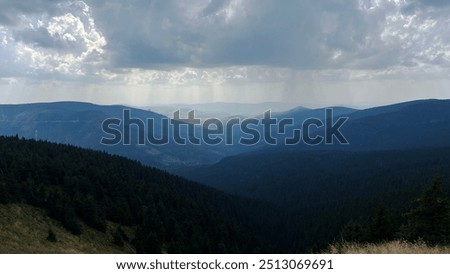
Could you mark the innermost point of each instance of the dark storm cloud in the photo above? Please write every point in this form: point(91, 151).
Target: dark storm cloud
point(298, 34)
point(10, 10)
point(414, 5)
point(137, 32)
point(434, 3)
point(41, 38)
point(7, 19)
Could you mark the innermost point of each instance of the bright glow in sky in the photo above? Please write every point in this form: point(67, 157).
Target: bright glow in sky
point(315, 53)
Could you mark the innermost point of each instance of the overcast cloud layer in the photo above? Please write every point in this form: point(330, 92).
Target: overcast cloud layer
point(347, 52)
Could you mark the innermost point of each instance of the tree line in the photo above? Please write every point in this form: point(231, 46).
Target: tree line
point(427, 221)
point(76, 185)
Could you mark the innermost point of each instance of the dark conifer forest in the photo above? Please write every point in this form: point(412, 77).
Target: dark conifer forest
point(171, 214)
point(76, 185)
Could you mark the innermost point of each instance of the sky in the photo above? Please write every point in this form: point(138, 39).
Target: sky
point(356, 53)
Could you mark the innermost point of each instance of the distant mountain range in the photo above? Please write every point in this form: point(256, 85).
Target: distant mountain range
point(391, 136)
point(222, 110)
point(80, 124)
point(408, 125)
point(402, 126)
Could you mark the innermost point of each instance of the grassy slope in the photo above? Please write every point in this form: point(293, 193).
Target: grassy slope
point(394, 247)
point(24, 229)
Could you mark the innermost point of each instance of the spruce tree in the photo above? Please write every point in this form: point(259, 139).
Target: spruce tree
point(382, 227)
point(430, 219)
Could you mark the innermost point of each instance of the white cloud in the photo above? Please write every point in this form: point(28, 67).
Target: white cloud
point(68, 44)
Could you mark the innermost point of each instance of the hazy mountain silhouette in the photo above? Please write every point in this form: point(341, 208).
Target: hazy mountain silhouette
point(80, 124)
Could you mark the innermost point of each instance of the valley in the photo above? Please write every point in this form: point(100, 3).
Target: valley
point(260, 198)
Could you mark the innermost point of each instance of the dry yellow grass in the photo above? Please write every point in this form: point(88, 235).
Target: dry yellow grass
point(24, 229)
point(394, 247)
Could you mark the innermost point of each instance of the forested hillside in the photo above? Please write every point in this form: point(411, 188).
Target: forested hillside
point(165, 213)
point(169, 213)
point(425, 228)
point(324, 190)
